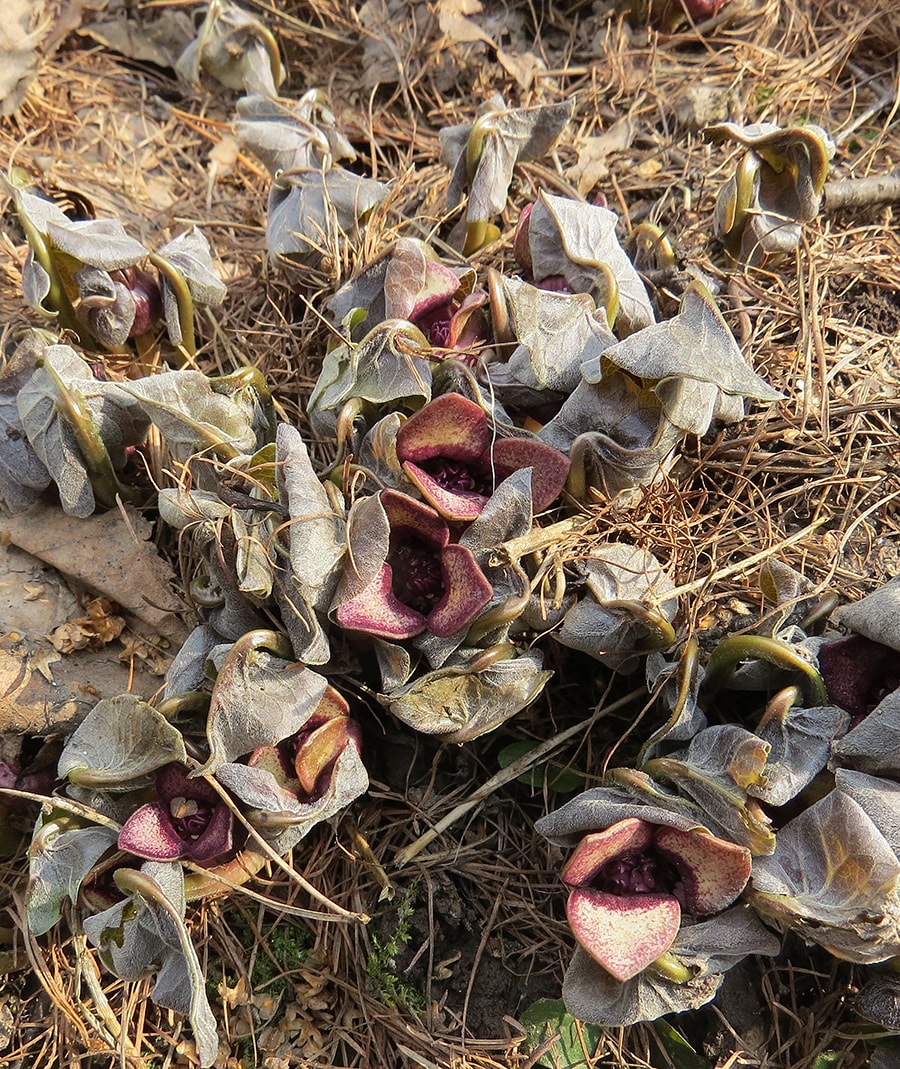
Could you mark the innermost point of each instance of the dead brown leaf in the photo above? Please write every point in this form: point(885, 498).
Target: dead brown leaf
point(592, 166)
point(111, 555)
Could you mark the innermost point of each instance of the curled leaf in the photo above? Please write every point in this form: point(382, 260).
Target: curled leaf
point(464, 700)
point(258, 699)
point(147, 928)
point(623, 609)
point(578, 242)
point(833, 878)
point(777, 187)
point(119, 744)
point(391, 365)
point(483, 155)
point(59, 860)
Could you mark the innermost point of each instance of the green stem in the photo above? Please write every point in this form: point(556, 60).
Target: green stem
point(611, 298)
point(732, 651)
point(42, 251)
point(183, 299)
point(576, 483)
point(653, 240)
point(503, 651)
point(660, 633)
point(814, 621)
point(193, 701)
point(685, 674)
point(104, 480)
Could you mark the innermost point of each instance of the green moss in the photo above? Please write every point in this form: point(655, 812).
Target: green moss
point(389, 936)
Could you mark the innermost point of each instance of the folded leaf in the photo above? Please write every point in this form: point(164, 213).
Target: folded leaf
point(119, 744)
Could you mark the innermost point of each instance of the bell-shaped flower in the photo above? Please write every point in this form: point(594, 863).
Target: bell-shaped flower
point(669, 15)
point(189, 820)
point(304, 762)
point(861, 669)
point(402, 574)
point(449, 451)
point(632, 881)
point(635, 873)
point(292, 785)
point(410, 283)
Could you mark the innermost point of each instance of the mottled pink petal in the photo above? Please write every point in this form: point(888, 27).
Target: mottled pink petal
point(714, 870)
point(549, 467)
point(148, 833)
point(376, 611)
point(450, 426)
point(702, 9)
point(439, 287)
point(554, 284)
point(460, 506)
point(623, 934)
point(413, 282)
point(404, 513)
point(466, 592)
point(270, 759)
point(319, 751)
point(332, 703)
point(594, 850)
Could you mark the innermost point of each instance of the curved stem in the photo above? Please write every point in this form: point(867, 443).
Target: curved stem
point(183, 299)
point(192, 701)
point(728, 655)
point(660, 633)
point(104, 480)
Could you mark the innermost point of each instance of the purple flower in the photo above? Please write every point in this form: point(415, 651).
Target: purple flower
point(189, 821)
point(858, 673)
point(632, 881)
point(449, 452)
point(304, 763)
point(118, 305)
point(424, 583)
point(457, 324)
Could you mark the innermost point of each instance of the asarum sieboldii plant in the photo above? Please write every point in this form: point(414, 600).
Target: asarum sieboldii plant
point(776, 188)
point(188, 820)
point(632, 882)
point(310, 776)
point(450, 452)
point(409, 282)
point(85, 274)
point(415, 580)
point(637, 871)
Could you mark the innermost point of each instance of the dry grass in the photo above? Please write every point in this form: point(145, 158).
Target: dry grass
point(814, 481)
